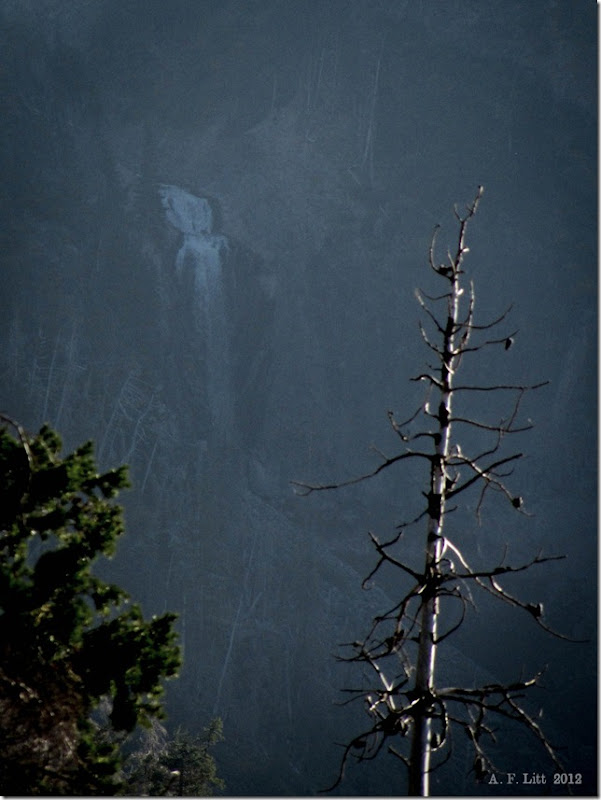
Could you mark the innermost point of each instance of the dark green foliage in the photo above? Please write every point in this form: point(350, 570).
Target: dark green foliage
point(69, 642)
point(177, 767)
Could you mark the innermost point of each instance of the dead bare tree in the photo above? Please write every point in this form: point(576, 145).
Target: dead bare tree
point(401, 646)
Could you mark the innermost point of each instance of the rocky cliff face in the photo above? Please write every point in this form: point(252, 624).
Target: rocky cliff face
point(215, 218)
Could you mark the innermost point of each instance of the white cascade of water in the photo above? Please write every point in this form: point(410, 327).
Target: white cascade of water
point(203, 251)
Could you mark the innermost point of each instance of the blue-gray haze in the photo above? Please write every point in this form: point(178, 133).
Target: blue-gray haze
point(214, 216)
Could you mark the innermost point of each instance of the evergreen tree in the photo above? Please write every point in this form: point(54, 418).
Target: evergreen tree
point(69, 642)
point(178, 767)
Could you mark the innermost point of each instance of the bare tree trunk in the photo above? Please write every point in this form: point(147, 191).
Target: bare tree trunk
point(426, 660)
point(405, 700)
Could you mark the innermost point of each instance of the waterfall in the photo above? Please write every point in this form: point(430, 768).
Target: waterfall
point(202, 252)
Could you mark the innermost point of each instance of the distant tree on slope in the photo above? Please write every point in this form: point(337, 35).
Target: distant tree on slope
point(177, 766)
point(412, 715)
point(69, 642)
